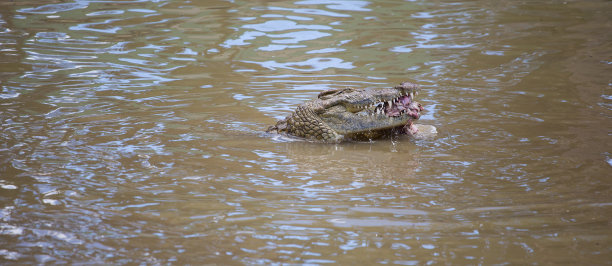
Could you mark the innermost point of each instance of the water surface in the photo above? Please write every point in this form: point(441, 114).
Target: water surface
point(132, 132)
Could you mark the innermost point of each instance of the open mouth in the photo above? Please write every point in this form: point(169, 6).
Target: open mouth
point(399, 106)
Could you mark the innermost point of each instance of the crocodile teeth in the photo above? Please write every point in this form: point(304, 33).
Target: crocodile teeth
point(412, 95)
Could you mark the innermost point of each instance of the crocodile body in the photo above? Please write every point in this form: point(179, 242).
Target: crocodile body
point(354, 114)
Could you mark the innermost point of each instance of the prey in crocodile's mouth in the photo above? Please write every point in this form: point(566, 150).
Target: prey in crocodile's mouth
point(400, 106)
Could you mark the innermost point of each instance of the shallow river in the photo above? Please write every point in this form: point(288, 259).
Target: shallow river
point(132, 132)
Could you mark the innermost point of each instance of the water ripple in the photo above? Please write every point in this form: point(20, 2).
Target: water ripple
point(312, 64)
point(283, 25)
point(55, 8)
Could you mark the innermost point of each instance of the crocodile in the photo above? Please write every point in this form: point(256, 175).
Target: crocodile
point(354, 114)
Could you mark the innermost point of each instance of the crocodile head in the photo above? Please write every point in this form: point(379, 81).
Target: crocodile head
point(369, 113)
point(355, 114)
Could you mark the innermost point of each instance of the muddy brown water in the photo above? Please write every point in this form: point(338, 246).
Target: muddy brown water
point(131, 133)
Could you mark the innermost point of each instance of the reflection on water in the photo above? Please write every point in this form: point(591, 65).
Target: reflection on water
point(132, 132)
